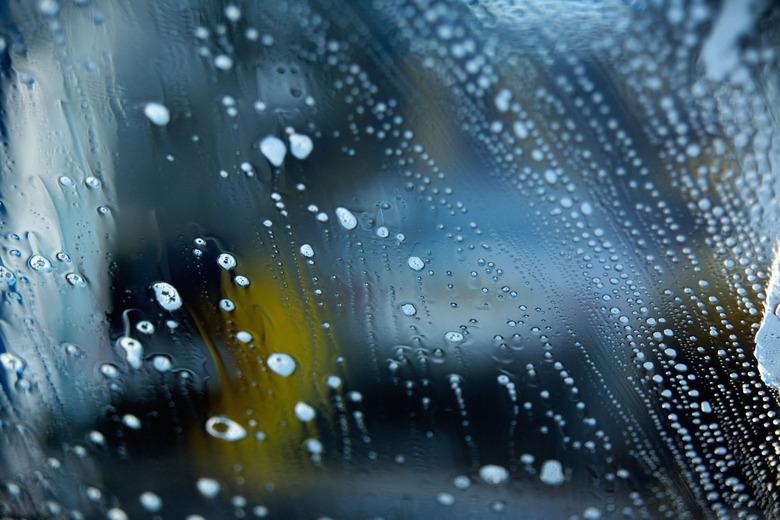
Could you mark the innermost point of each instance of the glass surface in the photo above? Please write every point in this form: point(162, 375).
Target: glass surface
point(398, 259)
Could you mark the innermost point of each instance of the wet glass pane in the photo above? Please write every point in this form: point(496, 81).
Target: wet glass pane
point(397, 259)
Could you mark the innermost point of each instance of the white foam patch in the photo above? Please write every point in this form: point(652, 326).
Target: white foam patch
point(719, 52)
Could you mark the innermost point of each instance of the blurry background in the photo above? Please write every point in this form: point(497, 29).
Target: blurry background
point(388, 260)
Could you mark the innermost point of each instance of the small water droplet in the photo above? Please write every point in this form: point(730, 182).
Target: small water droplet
point(145, 327)
point(116, 514)
point(131, 421)
point(157, 113)
point(462, 482)
point(208, 487)
point(243, 336)
point(75, 280)
point(232, 13)
point(304, 411)
point(151, 502)
point(7, 276)
point(445, 499)
point(307, 251)
point(226, 261)
point(453, 336)
point(162, 363)
point(134, 351)
point(314, 446)
point(408, 309)
point(223, 62)
point(416, 263)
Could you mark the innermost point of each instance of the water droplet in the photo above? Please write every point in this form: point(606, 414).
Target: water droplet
point(7, 276)
point(116, 514)
point(226, 261)
point(48, 7)
point(345, 217)
point(307, 251)
point(109, 370)
point(416, 263)
point(131, 421)
point(273, 149)
point(133, 351)
point(223, 62)
point(145, 327)
point(221, 427)
point(167, 296)
point(493, 474)
point(281, 364)
point(314, 446)
point(445, 499)
point(157, 113)
point(151, 502)
point(552, 473)
point(304, 412)
point(461, 482)
point(408, 309)
point(40, 263)
point(521, 131)
point(75, 280)
point(232, 13)
point(162, 363)
point(243, 336)
point(300, 146)
point(11, 362)
point(453, 336)
point(208, 487)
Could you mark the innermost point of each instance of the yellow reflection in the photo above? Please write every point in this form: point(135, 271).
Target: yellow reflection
point(279, 310)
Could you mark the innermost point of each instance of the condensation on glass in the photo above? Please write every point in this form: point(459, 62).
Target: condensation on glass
point(391, 259)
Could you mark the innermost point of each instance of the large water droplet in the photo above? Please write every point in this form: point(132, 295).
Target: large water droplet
point(552, 473)
point(493, 474)
point(281, 364)
point(273, 149)
point(167, 296)
point(346, 218)
point(300, 146)
point(226, 429)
